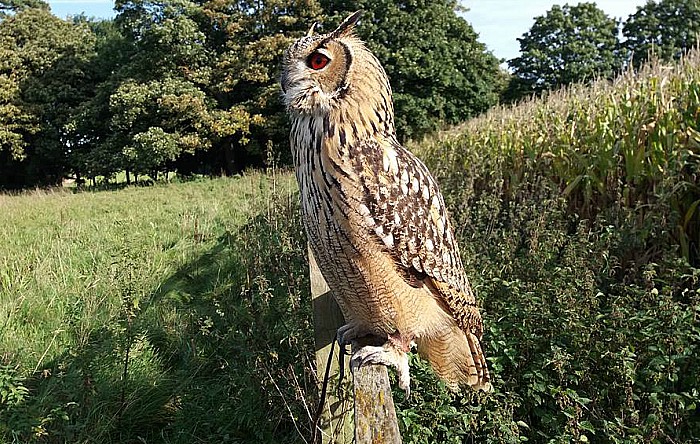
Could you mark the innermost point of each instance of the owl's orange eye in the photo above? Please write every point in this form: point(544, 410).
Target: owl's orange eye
point(318, 60)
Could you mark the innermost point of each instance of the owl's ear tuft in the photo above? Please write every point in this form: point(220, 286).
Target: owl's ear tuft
point(345, 28)
point(311, 30)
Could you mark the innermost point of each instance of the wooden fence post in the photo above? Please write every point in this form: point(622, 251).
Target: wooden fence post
point(375, 418)
point(336, 417)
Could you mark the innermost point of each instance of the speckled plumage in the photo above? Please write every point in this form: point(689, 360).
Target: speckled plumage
point(375, 218)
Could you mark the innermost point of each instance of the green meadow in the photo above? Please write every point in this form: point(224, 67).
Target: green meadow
point(125, 315)
point(180, 313)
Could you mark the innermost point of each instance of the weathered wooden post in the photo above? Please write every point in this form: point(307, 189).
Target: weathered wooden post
point(374, 415)
point(336, 422)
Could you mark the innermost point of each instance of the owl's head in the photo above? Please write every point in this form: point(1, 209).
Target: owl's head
point(320, 70)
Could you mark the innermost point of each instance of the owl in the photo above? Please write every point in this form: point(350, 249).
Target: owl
point(374, 216)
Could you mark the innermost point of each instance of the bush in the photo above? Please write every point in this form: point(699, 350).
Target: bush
point(578, 226)
point(580, 348)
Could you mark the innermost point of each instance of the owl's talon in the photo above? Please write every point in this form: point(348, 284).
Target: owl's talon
point(348, 333)
point(385, 355)
point(344, 336)
point(340, 335)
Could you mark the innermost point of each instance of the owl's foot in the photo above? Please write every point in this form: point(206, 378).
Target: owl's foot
point(348, 333)
point(387, 354)
point(345, 335)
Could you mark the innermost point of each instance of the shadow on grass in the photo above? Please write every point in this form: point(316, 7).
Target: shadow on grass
point(220, 352)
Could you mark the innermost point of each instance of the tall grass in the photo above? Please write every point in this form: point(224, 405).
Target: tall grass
point(634, 142)
point(173, 313)
point(63, 254)
point(180, 313)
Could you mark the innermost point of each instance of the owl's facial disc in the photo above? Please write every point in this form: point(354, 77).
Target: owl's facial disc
point(315, 68)
point(315, 73)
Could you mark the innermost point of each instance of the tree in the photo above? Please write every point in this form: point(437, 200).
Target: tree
point(568, 44)
point(667, 28)
point(42, 72)
point(440, 73)
point(249, 39)
point(199, 90)
point(93, 149)
point(156, 106)
point(19, 5)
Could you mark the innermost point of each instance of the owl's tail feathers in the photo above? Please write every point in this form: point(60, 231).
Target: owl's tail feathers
point(457, 358)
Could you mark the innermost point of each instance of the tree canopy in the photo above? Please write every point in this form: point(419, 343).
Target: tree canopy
point(667, 28)
point(19, 5)
point(568, 44)
point(43, 78)
point(192, 86)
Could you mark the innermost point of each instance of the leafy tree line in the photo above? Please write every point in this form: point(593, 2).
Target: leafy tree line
point(578, 43)
point(191, 86)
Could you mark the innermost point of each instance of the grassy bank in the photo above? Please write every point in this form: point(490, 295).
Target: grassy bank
point(180, 314)
point(172, 313)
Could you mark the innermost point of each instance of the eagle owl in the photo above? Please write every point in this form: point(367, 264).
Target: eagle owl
point(375, 218)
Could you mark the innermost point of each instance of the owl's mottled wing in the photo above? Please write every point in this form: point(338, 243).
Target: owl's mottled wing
point(406, 211)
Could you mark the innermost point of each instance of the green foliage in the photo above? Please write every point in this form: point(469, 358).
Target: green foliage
point(162, 106)
point(566, 45)
point(439, 72)
point(43, 73)
point(165, 37)
point(173, 313)
point(665, 28)
point(12, 389)
point(162, 119)
point(568, 210)
point(19, 5)
point(249, 41)
point(194, 84)
point(581, 347)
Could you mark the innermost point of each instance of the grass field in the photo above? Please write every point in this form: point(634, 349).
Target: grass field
point(122, 312)
point(180, 313)
point(64, 254)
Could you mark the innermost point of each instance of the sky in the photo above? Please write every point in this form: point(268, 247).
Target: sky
point(498, 22)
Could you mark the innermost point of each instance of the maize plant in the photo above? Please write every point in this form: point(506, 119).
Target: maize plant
point(631, 143)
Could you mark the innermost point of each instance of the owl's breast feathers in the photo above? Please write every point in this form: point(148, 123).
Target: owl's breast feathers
point(401, 207)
